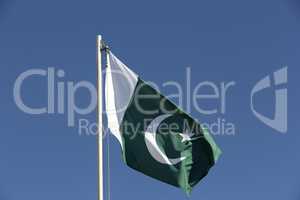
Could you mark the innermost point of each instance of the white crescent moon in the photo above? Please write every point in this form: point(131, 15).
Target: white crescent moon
point(152, 146)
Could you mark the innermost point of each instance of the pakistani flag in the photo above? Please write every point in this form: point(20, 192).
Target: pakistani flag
point(157, 138)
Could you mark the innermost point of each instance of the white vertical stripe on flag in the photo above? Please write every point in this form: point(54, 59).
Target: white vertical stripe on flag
point(120, 83)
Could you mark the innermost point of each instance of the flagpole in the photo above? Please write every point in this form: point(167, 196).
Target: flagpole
point(99, 117)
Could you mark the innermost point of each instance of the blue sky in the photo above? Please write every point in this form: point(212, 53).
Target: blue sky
point(221, 41)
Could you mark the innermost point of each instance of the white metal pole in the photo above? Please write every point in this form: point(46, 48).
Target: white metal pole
point(100, 124)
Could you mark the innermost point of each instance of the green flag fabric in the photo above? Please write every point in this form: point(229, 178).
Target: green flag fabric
point(157, 138)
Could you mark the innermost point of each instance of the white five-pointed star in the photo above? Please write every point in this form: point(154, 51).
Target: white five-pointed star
point(187, 136)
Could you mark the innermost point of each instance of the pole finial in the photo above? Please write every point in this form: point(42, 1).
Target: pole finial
point(101, 44)
point(99, 41)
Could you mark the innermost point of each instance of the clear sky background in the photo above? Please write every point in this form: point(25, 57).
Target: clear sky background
point(222, 41)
